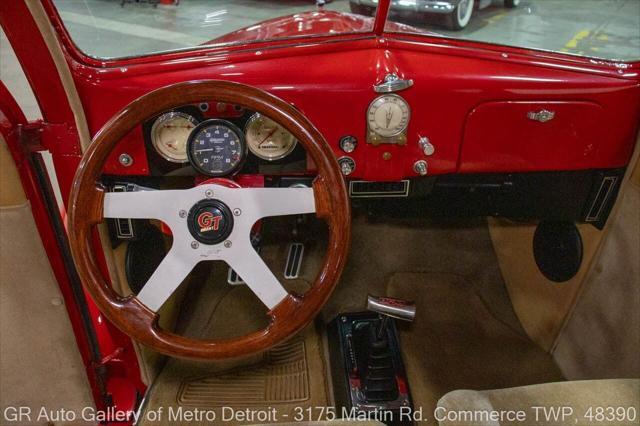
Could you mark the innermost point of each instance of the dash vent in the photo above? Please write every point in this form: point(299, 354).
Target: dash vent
point(367, 189)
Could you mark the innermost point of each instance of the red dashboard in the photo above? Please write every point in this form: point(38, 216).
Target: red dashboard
point(472, 109)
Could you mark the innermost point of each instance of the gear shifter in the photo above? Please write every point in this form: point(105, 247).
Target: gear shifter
point(390, 307)
point(367, 368)
point(374, 356)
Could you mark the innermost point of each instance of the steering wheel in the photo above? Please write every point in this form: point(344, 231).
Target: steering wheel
point(235, 210)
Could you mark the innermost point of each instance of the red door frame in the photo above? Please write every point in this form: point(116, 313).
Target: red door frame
point(109, 357)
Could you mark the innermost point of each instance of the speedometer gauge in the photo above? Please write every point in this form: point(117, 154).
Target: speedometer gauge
point(267, 139)
point(169, 135)
point(216, 148)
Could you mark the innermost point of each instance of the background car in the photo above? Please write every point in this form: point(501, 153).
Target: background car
point(458, 12)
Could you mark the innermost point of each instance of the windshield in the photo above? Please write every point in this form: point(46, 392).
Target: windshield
point(123, 28)
point(608, 29)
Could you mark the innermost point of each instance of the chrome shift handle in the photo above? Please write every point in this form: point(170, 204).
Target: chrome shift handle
point(392, 307)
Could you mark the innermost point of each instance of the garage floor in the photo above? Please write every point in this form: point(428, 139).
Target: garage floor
point(602, 28)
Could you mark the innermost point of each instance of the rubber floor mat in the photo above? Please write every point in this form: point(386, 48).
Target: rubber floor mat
point(282, 377)
point(286, 379)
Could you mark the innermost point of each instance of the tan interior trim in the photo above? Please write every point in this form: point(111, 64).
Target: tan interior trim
point(635, 174)
point(57, 54)
point(11, 191)
point(631, 177)
point(542, 306)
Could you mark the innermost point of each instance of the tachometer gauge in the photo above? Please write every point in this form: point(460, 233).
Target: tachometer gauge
point(169, 135)
point(216, 148)
point(267, 139)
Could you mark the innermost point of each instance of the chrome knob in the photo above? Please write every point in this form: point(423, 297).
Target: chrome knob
point(426, 146)
point(420, 167)
point(348, 144)
point(347, 165)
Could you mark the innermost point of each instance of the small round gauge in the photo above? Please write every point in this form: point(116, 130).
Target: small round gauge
point(169, 135)
point(216, 148)
point(267, 139)
point(388, 115)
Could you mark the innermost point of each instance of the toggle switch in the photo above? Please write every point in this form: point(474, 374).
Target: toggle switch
point(420, 167)
point(426, 146)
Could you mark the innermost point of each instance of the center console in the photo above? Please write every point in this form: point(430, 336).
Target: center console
point(368, 373)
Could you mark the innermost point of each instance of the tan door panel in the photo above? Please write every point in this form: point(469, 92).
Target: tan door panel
point(11, 192)
point(541, 305)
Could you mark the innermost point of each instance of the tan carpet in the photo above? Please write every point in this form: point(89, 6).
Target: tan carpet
point(457, 343)
point(380, 249)
point(456, 333)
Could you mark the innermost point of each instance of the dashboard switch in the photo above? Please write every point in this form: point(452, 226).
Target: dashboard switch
point(420, 167)
point(348, 143)
point(426, 146)
point(347, 165)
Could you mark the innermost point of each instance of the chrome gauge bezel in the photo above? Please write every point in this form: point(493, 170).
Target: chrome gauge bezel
point(235, 129)
point(379, 98)
point(255, 117)
point(163, 119)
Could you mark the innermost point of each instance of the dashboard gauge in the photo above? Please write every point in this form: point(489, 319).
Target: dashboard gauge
point(388, 115)
point(169, 135)
point(267, 139)
point(216, 148)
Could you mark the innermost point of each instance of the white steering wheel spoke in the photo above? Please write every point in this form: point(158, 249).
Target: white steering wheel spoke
point(264, 202)
point(210, 222)
point(173, 269)
point(152, 204)
point(256, 274)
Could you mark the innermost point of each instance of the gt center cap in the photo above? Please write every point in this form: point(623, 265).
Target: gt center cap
point(210, 221)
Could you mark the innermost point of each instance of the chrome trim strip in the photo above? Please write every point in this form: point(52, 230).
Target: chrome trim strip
point(610, 182)
point(123, 222)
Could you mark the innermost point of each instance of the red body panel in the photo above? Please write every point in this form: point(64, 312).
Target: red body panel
point(500, 134)
point(308, 24)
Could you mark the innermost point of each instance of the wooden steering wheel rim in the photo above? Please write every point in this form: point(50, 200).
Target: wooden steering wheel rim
point(128, 313)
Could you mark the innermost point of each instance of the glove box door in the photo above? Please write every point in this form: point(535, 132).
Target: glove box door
point(532, 136)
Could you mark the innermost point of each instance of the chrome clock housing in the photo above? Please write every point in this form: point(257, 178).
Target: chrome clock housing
point(387, 120)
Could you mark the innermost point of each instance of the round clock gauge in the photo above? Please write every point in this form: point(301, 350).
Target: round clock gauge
point(388, 115)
